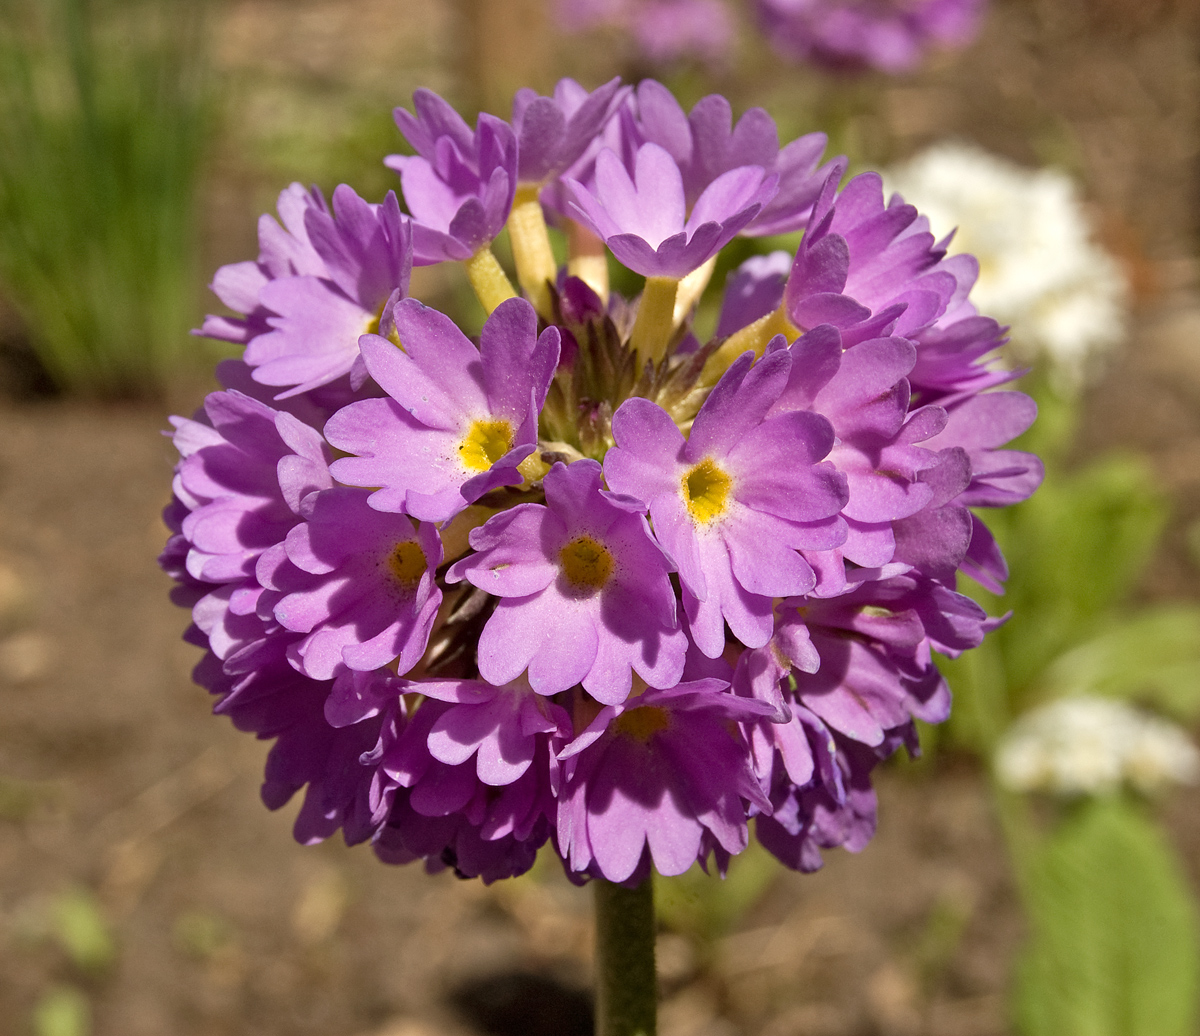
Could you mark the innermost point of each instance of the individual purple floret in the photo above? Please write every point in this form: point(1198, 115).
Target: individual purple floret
point(498, 726)
point(869, 268)
point(229, 481)
point(446, 813)
point(553, 132)
point(584, 594)
point(318, 285)
point(892, 36)
point(975, 472)
point(358, 583)
point(836, 811)
point(734, 503)
point(643, 218)
point(864, 393)
point(705, 144)
point(459, 420)
point(459, 186)
point(664, 780)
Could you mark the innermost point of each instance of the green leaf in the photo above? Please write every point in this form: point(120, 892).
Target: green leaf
point(1076, 548)
point(1114, 944)
point(1152, 657)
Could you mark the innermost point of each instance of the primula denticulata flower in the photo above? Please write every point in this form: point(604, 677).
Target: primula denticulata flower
point(1039, 268)
point(589, 581)
point(1086, 745)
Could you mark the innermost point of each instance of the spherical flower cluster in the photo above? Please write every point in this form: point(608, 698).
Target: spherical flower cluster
point(1086, 745)
point(892, 36)
point(587, 580)
point(1040, 270)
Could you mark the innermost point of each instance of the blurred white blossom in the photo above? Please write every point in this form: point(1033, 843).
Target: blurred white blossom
point(1039, 269)
point(1089, 745)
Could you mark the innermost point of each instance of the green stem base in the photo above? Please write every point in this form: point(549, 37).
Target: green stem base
point(626, 985)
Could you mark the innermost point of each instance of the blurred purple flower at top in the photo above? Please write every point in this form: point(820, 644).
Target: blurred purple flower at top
point(459, 186)
point(319, 283)
point(706, 143)
point(852, 35)
point(644, 221)
point(668, 30)
point(664, 30)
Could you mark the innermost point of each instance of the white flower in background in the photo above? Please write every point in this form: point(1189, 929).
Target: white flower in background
point(1039, 269)
point(1088, 745)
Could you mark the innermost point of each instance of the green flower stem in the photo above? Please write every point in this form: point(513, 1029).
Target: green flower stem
point(655, 322)
point(626, 986)
point(536, 268)
point(488, 278)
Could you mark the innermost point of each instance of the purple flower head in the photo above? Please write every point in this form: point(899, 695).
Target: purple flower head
point(457, 420)
point(584, 593)
point(358, 583)
point(892, 36)
point(706, 144)
point(643, 218)
point(320, 282)
point(459, 186)
point(734, 502)
point(606, 588)
point(553, 132)
point(867, 268)
point(664, 777)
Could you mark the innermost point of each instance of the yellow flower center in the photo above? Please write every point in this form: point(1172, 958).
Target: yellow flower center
point(586, 563)
point(706, 491)
point(485, 443)
point(642, 723)
point(407, 563)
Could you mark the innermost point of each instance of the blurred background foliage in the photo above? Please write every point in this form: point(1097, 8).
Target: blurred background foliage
point(105, 110)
